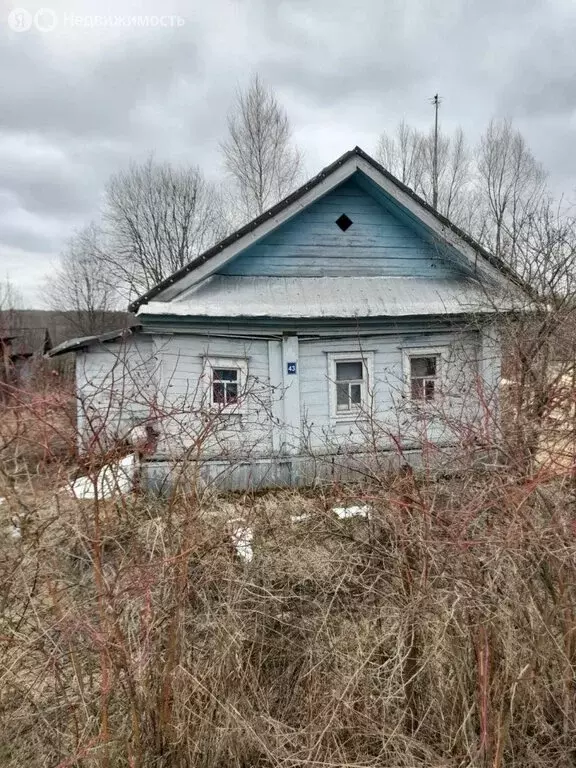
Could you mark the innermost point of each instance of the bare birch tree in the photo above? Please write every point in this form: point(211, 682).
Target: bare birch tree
point(402, 154)
point(536, 237)
point(156, 219)
point(499, 195)
point(408, 155)
point(454, 174)
point(259, 153)
point(540, 345)
point(81, 288)
point(511, 185)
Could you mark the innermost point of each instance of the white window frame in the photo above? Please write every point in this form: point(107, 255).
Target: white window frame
point(367, 360)
point(440, 352)
point(228, 363)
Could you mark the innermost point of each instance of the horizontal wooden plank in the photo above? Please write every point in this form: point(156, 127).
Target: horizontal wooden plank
point(344, 250)
point(378, 242)
point(372, 239)
point(339, 268)
point(320, 222)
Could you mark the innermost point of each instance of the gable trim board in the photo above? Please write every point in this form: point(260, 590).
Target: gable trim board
point(477, 259)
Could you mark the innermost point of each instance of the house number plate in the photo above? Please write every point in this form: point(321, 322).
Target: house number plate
point(291, 367)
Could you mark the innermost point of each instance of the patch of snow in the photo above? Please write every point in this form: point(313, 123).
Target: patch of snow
point(137, 435)
point(344, 513)
point(113, 479)
point(242, 537)
point(2, 500)
point(14, 531)
point(300, 518)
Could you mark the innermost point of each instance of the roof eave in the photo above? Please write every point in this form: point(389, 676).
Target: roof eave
point(83, 342)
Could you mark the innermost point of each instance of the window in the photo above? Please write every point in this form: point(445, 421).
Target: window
point(423, 371)
point(350, 375)
point(224, 386)
point(349, 385)
point(344, 222)
point(225, 381)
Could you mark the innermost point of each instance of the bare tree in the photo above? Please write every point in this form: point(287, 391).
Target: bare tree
point(499, 195)
point(80, 288)
point(540, 345)
point(10, 319)
point(10, 302)
point(408, 155)
point(536, 237)
point(157, 218)
point(259, 153)
point(402, 153)
point(511, 185)
point(454, 174)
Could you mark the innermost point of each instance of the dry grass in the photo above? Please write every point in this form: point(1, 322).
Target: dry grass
point(439, 633)
point(37, 429)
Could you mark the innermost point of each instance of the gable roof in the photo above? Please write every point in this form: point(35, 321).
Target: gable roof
point(330, 177)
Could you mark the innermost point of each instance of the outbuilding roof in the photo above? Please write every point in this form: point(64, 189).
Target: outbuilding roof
point(82, 342)
point(27, 342)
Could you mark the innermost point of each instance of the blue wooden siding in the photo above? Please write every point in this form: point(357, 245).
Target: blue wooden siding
point(312, 245)
point(391, 413)
point(184, 391)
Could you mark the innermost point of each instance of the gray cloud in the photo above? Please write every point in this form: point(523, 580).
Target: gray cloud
point(77, 104)
point(96, 99)
point(22, 238)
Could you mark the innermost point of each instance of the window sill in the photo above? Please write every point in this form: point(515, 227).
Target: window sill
point(349, 417)
point(416, 406)
point(228, 412)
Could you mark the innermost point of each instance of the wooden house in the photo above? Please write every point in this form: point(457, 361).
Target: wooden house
point(349, 320)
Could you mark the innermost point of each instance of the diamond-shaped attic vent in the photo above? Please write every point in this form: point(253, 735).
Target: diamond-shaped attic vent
point(344, 222)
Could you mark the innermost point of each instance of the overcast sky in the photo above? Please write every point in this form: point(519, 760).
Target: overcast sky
point(80, 96)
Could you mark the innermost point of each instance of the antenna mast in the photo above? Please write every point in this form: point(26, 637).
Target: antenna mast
point(436, 103)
